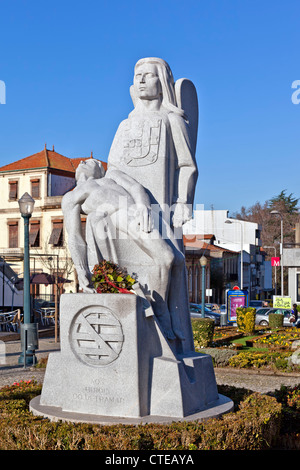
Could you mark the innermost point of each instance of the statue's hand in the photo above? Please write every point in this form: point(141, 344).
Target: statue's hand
point(182, 214)
point(143, 218)
point(84, 282)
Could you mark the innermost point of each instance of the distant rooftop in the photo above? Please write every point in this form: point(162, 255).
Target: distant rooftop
point(46, 159)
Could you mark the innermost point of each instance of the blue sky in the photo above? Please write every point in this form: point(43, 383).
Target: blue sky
point(68, 65)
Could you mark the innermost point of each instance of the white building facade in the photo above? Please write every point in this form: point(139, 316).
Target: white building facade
point(241, 237)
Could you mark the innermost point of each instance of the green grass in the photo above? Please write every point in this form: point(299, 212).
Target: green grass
point(248, 348)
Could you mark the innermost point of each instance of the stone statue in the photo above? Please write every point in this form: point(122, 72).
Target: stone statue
point(156, 146)
point(131, 358)
point(151, 165)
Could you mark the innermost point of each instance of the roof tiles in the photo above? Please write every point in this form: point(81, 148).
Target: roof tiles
point(46, 159)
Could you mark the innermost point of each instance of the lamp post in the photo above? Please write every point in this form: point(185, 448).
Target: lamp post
point(281, 247)
point(28, 328)
point(242, 248)
point(203, 263)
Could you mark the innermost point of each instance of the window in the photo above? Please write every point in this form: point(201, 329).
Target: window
point(13, 190)
point(13, 234)
point(34, 233)
point(35, 188)
point(56, 237)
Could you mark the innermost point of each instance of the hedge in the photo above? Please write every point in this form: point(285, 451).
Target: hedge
point(275, 320)
point(245, 319)
point(255, 426)
point(203, 331)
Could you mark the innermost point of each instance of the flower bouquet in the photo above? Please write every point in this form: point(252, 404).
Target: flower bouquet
point(108, 278)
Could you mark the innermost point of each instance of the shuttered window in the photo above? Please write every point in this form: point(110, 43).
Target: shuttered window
point(34, 233)
point(56, 237)
point(13, 234)
point(13, 190)
point(35, 188)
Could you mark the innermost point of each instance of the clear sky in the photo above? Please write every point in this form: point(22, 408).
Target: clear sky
point(68, 65)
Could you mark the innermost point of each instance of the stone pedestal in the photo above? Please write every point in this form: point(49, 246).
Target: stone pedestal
point(116, 366)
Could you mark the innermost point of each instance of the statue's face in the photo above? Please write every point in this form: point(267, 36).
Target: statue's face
point(146, 82)
point(88, 167)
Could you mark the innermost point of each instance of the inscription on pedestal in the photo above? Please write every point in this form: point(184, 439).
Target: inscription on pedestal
point(96, 336)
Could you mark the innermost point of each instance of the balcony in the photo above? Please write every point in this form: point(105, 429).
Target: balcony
point(52, 202)
point(11, 251)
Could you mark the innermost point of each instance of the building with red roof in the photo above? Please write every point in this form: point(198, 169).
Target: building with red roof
point(46, 175)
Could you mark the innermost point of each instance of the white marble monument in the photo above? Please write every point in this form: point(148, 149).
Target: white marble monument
point(130, 357)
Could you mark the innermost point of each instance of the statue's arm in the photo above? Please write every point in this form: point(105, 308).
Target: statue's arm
point(186, 170)
point(71, 209)
point(143, 214)
point(135, 189)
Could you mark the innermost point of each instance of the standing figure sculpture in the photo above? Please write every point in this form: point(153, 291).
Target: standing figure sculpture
point(156, 146)
point(152, 157)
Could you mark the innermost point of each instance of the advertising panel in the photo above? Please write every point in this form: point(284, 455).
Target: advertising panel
point(235, 298)
point(282, 302)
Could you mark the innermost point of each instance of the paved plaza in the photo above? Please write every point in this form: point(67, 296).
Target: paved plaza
point(11, 371)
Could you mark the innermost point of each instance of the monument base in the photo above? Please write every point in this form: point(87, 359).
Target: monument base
point(223, 405)
point(115, 366)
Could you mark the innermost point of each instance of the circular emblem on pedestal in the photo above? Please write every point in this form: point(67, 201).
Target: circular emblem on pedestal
point(96, 336)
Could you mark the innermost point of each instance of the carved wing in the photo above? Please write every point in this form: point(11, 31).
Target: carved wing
point(187, 100)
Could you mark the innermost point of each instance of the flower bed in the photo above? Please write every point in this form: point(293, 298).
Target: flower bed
point(271, 360)
point(225, 335)
point(280, 339)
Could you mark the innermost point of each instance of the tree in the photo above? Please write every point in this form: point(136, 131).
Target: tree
point(287, 204)
point(261, 214)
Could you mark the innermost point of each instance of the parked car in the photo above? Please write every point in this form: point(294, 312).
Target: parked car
point(196, 312)
point(213, 307)
point(262, 315)
point(256, 303)
point(223, 308)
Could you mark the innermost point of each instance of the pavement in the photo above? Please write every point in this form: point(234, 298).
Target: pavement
point(10, 349)
point(11, 371)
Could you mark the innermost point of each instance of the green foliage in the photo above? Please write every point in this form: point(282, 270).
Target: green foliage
point(248, 359)
point(245, 318)
point(278, 339)
point(288, 203)
point(254, 426)
point(203, 331)
point(108, 277)
point(293, 398)
point(275, 320)
point(289, 398)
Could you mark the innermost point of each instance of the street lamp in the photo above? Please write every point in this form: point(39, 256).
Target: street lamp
point(281, 247)
point(28, 329)
point(203, 263)
point(242, 248)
